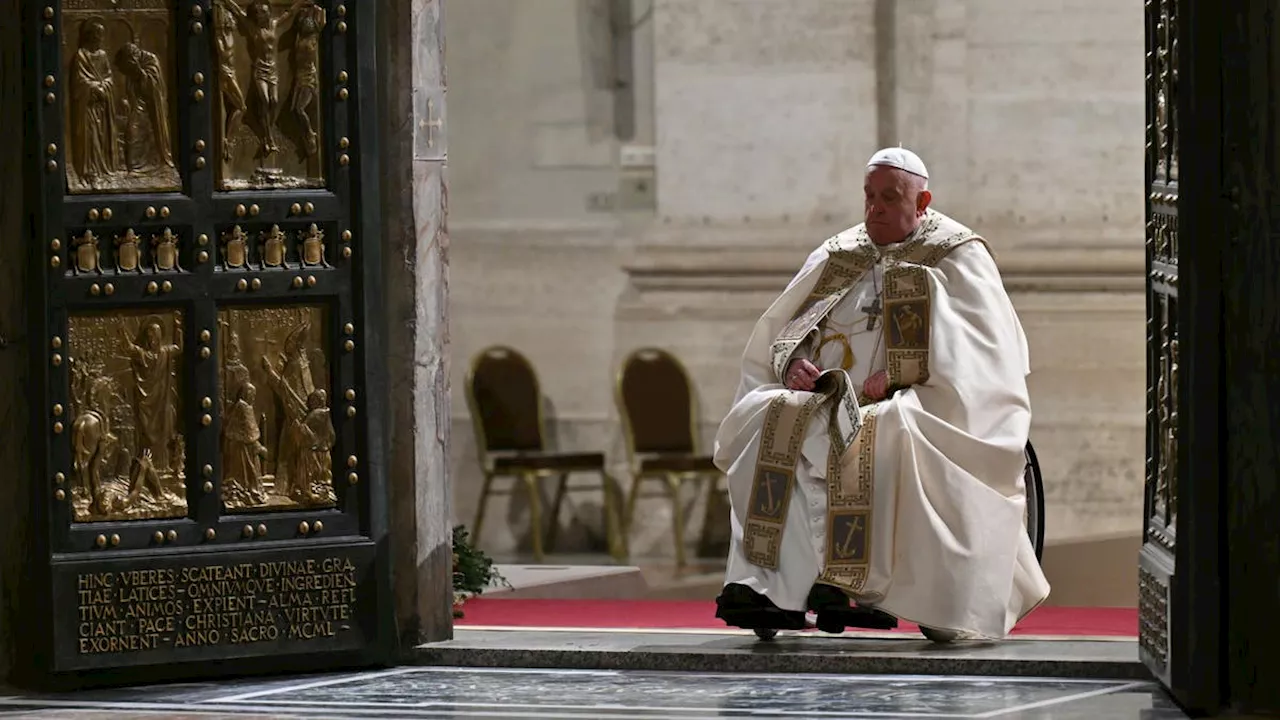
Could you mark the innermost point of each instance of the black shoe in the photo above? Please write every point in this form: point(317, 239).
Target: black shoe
point(740, 606)
point(835, 612)
point(827, 597)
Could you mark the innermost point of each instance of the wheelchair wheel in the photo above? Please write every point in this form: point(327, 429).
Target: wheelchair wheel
point(942, 637)
point(1035, 501)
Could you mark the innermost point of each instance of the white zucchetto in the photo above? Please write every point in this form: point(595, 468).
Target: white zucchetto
point(900, 158)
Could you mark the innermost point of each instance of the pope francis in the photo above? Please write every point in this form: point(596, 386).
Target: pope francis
point(875, 447)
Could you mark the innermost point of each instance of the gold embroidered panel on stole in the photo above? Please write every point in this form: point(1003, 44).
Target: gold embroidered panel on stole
point(908, 306)
point(849, 517)
point(780, 441)
point(908, 310)
point(788, 415)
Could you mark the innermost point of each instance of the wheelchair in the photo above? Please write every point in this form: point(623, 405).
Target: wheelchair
point(1034, 521)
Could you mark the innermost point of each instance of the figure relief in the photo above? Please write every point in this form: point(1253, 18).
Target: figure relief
point(235, 249)
point(224, 38)
point(256, 43)
point(87, 254)
point(164, 252)
point(1162, 427)
point(306, 74)
point(1171, 432)
point(278, 436)
point(313, 247)
point(93, 100)
point(1164, 75)
point(273, 248)
point(128, 449)
point(120, 114)
point(242, 451)
point(1172, 125)
point(1158, 131)
point(234, 372)
point(148, 143)
point(128, 257)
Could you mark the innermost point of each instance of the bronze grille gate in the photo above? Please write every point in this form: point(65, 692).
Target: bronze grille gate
point(204, 283)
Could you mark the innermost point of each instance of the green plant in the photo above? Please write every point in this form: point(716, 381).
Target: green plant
point(472, 570)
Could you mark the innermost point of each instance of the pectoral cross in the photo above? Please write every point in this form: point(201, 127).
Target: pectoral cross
point(873, 313)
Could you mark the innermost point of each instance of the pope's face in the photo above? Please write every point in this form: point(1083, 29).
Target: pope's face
point(895, 203)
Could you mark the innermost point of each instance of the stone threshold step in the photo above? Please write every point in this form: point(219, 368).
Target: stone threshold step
point(727, 651)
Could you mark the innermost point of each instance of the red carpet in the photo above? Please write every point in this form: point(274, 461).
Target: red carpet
point(700, 615)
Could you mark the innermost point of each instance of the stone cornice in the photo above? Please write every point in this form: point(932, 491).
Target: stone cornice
point(752, 268)
point(762, 257)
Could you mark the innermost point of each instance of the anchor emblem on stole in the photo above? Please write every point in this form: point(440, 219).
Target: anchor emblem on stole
point(854, 543)
point(772, 500)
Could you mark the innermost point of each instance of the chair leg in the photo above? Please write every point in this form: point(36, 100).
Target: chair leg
point(612, 519)
point(704, 537)
point(484, 501)
point(636, 481)
point(677, 516)
point(535, 514)
point(554, 531)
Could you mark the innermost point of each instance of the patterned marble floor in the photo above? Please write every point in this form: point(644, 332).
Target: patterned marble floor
point(425, 693)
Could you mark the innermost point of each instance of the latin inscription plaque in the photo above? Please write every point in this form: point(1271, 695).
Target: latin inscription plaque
point(214, 605)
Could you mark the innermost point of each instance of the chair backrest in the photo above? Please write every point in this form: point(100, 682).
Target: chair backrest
point(657, 403)
point(505, 401)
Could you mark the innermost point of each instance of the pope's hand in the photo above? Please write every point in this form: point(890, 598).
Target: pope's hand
point(877, 386)
point(801, 375)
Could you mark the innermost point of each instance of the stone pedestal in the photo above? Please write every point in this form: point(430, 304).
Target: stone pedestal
point(416, 258)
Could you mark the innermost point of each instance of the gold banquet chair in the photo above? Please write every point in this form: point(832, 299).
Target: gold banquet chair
point(506, 409)
point(659, 416)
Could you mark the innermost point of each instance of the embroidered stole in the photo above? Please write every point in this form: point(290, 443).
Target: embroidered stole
point(851, 429)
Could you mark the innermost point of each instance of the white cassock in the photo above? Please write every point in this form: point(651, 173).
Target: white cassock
point(915, 504)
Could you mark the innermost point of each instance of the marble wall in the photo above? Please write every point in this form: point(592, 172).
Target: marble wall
point(763, 114)
point(766, 111)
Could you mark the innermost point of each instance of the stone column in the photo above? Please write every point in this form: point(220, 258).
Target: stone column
point(15, 480)
point(411, 66)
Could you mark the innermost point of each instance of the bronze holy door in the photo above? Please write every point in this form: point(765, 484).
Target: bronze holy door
point(204, 284)
point(1209, 602)
point(1157, 566)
